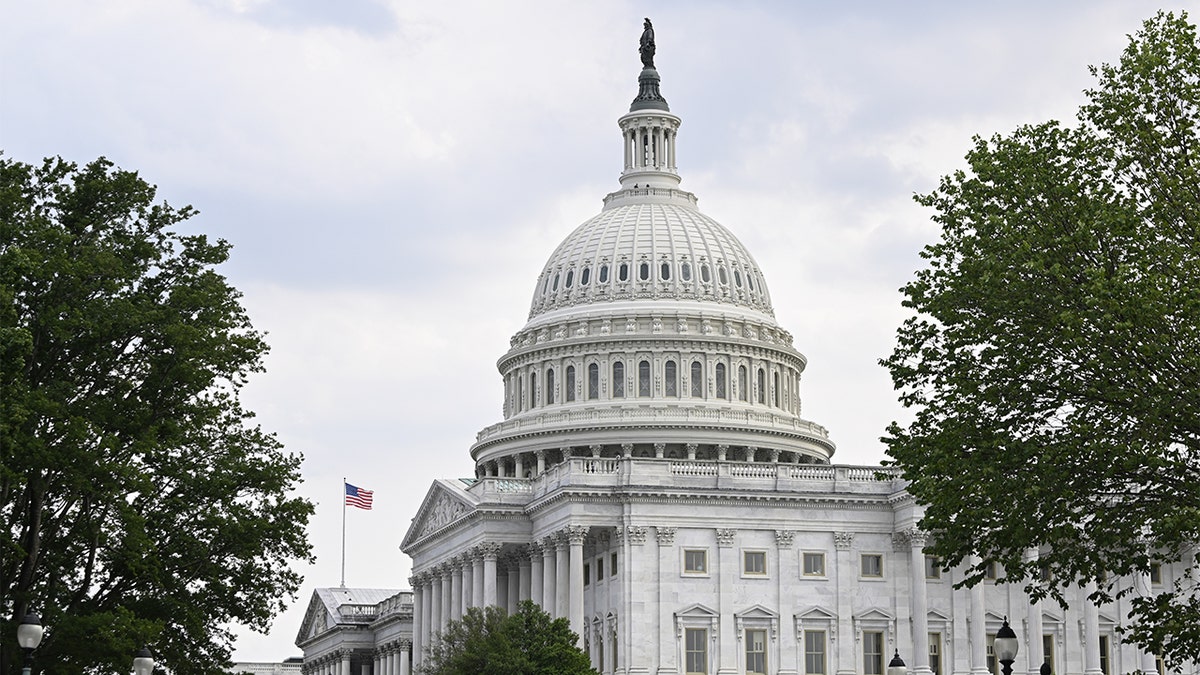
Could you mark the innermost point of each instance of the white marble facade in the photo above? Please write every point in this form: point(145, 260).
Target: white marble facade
point(653, 481)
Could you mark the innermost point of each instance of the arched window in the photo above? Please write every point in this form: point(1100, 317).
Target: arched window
point(737, 278)
point(665, 271)
point(623, 272)
point(697, 380)
point(762, 386)
point(721, 381)
point(569, 394)
point(721, 275)
point(549, 386)
point(685, 271)
point(532, 390)
point(593, 381)
point(644, 271)
point(671, 379)
point(643, 378)
point(585, 276)
point(618, 380)
point(570, 278)
point(705, 275)
point(546, 285)
point(750, 279)
point(555, 286)
point(604, 274)
point(520, 392)
point(775, 391)
point(743, 390)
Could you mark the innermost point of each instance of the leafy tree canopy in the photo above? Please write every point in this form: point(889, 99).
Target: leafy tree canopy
point(1053, 359)
point(488, 642)
point(139, 504)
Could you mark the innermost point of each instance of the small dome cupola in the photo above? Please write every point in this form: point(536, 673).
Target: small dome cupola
point(649, 129)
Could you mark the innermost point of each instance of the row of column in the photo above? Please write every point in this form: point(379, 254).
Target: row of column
point(336, 662)
point(548, 572)
point(393, 658)
point(649, 147)
point(514, 466)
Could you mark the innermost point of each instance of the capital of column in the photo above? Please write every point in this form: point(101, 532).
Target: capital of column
point(722, 452)
point(534, 549)
point(660, 450)
point(725, 537)
point(596, 448)
point(783, 538)
point(490, 550)
point(664, 535)
point(917, 538)
point(634, 534)
point(843, 540)
point(539, 454)
point(566, 452)
point(627, 449)
point(575, 534)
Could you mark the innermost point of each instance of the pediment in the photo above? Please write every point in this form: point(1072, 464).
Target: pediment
point(990, 616)
point(316, 620)
point(756, 612)
point(874, 614)
point(816, 613)
point(697, 611)
point(446, 503)
point(936, 615)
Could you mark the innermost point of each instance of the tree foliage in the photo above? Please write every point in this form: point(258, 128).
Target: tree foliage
point(139, 503)
point(488, 642)
point(1053, 359)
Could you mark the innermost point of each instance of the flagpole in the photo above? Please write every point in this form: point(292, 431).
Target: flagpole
point(343, 531)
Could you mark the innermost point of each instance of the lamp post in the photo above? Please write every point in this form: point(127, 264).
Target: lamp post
point(143, 662)
point(896, 666)
point(1005, 647)
point(29, 636)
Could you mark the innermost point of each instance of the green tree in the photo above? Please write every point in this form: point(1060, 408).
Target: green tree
point(140, 505)
point(487, 642)
point(1053, 360)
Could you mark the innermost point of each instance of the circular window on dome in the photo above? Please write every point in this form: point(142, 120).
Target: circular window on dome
point(685, 272)
point(644, 271)
point(665, 272)
point(585, 276)
point(571, 278)
point(705, 275)
point(603, 274)
point(720, 274)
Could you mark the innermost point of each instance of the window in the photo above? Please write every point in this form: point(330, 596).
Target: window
point(569, 394)
point(520, 392)
point(532, 389)
point(989, 572)
point(612, 571)
point(697, 380)
point(1048, 651)
point(671, 378)
point(623, 272)
point(1104, 654)
point(587, 574)
point(872, 565)
point(570, 278)
point(618, 380)
point(814, 564)
point(695, 650)
point(1155, 574)
point(933, 567)
point(644, 271)
point(604, 274)
point(549, 385)
point(721, 380)
point(665, 272)
point(721, 275)
point(762, 386)
point(705, 275)
point(614, 642)
point(993, 666)
point(685, 272)
point(743, 392)
point(872, 653)
point(593, 381)
point(643, 378)
point(935, 653)
point(814, 652)
point(555, 286)
point(737, 278)
point(775, 391)
point(756, 651)
point(695, 561)
point(585, 276)
point(600, 569)
point(754, 563)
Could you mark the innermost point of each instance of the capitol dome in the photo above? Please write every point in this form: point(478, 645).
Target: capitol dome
point(650, 334)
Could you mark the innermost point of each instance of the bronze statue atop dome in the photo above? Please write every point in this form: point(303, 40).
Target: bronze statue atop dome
point(646, 48)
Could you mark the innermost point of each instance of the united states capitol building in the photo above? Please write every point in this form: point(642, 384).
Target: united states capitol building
point(654, 481)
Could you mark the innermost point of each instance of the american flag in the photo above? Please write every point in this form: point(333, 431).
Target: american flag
point(356, 496)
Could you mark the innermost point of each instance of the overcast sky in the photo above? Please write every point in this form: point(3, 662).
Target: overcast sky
point(393, 175)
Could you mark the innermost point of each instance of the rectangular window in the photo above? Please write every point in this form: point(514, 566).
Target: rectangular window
point(993, 665)
point(933, 567)
point(612, 568)
point(1104, 654)
point(872, 565)
point(935, 653)
point(695, 650)
point(1048, 651)
point(587, 574)
point(814, 652)
point(695, 561)
point(814, 564)
point(754, 563)
point(1155, 574)
point(599, 569)
point(989, 572)
point(872, 653)
point(756, 652)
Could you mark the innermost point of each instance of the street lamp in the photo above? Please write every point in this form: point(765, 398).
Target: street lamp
point(896, 666)
point(29, 636)
point(143, 662)
point(1005, 647)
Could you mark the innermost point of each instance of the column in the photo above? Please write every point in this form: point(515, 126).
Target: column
point(1091, 632)
point(575, 536)
point(512, 568)
point(1033, 627)
point(404, 664)
point(847, 577)
point(468, 578)
point(1144, 588)
point(456, 594)
point(447, 595)
point(978, 631)
point(477, 579)
point(728, 573)
point(525, 580)
point(345, 667)
point(536, 583)
point(541, 461)
point(562, 576)
point(491, 551)
point(784, 582)
point(549, 569)
point(920, 602)
point(435, 602)
point(426, 610)
point(414, 582)
point(663, 612)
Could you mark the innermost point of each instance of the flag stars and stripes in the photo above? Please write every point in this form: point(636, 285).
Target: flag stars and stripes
point(358, 497)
